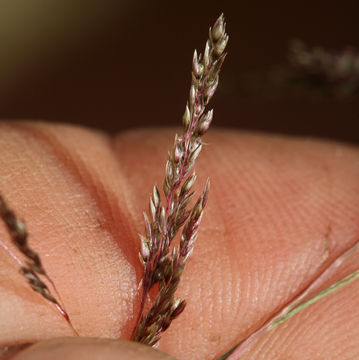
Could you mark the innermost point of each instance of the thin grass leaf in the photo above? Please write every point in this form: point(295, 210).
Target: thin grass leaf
point(299, 303)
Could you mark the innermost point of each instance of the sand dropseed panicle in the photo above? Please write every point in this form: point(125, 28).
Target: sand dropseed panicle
point(32, 268)
point(162, 265)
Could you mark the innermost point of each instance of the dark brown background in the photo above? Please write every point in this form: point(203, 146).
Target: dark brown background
point(119, 64)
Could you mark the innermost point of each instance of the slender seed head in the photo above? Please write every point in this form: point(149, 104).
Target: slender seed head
point(178, 308)
point(221, 45)
point(205, 122)
point(205, 193)
point(197, 67)
point(192, 96)
point(186, 118)
point(164, 265)
point(145, 251)
point(206, 58)
point(218, 29)
point(186, 187)
point(156, 196)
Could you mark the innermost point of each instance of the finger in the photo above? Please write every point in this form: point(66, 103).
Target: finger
point(66, 184)
point(91, 349)
point(279, 211)
point(263, 237)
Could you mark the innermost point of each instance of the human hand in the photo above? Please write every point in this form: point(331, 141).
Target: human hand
point(279, 210)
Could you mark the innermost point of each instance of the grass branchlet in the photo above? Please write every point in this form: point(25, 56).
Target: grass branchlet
point(31, 267)
point(162, 265)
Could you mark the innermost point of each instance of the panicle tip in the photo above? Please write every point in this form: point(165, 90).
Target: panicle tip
point(218, 28)
point(205, 193)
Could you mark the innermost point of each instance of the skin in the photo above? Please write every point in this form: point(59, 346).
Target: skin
point(280, 210)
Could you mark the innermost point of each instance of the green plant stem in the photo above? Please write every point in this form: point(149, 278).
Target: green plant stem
point(299, 303)
point(336, 286)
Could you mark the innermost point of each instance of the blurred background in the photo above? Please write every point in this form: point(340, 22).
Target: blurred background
point(118, 64)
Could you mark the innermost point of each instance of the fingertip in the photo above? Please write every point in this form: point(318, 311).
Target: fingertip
point(90, 349)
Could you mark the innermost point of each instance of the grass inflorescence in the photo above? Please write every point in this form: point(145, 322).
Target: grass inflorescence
point(162, 265)
point(31, 268)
